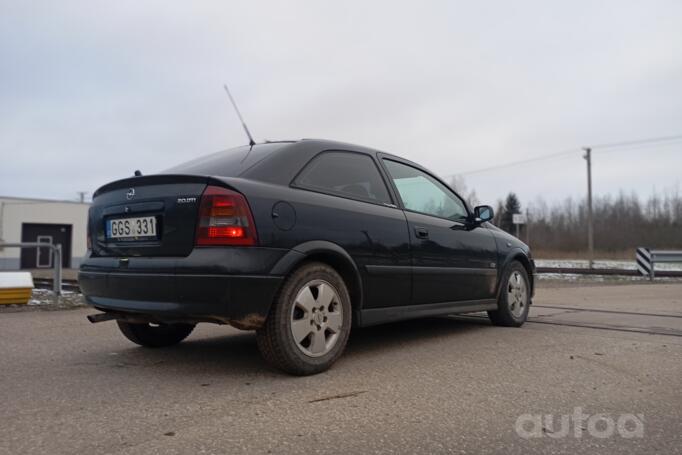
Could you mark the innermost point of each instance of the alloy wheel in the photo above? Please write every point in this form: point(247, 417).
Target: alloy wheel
point(316, 318)
point(517, 294)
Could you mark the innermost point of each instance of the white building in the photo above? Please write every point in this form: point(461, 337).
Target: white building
point(42, 220)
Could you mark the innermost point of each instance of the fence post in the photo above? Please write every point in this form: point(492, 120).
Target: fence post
point(57, 262)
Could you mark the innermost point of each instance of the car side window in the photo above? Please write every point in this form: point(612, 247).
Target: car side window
point(422, 193)
point(348, 174)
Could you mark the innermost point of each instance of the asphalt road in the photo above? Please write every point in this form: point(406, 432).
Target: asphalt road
point(448, 385)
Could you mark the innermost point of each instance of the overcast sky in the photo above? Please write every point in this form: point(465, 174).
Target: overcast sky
point(91, 91)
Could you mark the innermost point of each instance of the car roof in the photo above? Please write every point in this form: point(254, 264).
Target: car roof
point(282, 166)
point(276, 162)
point(326, 144)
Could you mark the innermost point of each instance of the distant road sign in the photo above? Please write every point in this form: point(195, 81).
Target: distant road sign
point(519, 218)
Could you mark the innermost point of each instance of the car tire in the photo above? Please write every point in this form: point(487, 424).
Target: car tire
point(309, 323)
point(155, 336)
point(513, 302)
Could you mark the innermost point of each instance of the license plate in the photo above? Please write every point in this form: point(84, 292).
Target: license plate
point(143, 228)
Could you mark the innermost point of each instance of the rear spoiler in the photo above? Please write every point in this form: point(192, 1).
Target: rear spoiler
point(156, 179)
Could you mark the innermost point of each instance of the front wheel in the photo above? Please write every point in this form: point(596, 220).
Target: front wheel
point(513, 303)
point(309, 323)
point(155, 335)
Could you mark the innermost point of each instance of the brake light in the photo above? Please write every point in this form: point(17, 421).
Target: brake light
point(224, 219)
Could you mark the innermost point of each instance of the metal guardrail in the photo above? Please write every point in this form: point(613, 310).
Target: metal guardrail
point(647, 259)
point(666, 256)
point(56, 260)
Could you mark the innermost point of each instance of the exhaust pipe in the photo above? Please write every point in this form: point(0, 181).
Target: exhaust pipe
point(101, 317)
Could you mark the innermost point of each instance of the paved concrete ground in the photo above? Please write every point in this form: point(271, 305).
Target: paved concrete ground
point(433, 386)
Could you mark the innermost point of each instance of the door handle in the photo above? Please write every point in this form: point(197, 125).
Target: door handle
point(421, 233)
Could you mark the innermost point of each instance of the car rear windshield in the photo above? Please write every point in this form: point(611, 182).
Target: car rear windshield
point(228, 163)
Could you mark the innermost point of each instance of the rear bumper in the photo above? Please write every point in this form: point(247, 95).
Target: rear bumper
point(205, 286)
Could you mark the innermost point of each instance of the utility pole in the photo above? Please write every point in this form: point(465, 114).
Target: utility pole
point(81, 196)
point(590, 229)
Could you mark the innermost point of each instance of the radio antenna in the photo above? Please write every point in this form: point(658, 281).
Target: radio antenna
point(251, 141)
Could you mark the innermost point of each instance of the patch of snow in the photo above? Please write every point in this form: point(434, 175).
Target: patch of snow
point(600, 264)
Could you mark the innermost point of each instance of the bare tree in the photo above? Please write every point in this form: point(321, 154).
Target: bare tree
point(621, 223)
point(458, 184)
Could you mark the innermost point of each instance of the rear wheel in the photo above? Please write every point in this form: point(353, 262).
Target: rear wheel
point(153, 335)
point(513, 303)
point(309, 323)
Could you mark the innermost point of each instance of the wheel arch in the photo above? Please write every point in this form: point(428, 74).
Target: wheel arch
point(334, 256)
point(517, 254)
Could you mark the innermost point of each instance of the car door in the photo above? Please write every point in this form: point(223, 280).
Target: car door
point(452, 261)
point(348, 203)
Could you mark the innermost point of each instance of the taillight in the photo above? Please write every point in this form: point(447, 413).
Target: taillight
point(224, 219)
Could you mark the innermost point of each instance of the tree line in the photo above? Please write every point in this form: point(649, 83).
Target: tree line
point(621, 223)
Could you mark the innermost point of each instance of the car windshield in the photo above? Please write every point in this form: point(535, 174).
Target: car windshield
point(227, 163)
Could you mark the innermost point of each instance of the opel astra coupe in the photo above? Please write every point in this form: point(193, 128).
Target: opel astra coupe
point(299, 241)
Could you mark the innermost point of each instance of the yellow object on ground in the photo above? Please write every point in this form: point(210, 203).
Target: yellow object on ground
point(15, 287)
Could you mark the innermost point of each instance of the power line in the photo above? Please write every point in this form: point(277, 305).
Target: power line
point(598, 147)
point(517, 163)
point(637, 142)
point(646, 146)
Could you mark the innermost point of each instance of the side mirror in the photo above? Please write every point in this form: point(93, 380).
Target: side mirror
point(483, 213)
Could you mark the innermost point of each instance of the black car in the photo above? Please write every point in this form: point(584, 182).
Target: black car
point(299, 241)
